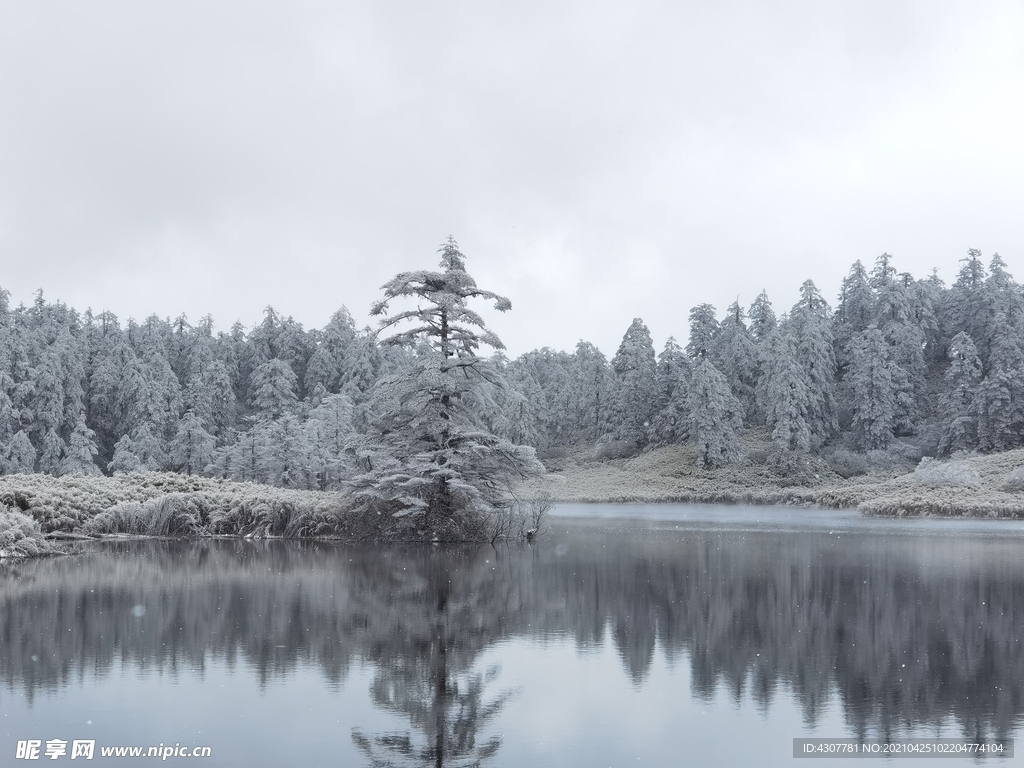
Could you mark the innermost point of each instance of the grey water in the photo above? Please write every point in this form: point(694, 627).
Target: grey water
point(627, 635)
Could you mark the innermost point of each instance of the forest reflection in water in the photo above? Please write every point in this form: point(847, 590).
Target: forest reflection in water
point(908, 631)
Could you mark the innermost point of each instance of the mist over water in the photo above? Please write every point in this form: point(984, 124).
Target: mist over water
point(608, 639)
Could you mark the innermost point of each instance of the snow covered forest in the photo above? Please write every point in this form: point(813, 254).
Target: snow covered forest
point(896, 357)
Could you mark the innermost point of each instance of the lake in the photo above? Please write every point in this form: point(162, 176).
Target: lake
point(628, 635)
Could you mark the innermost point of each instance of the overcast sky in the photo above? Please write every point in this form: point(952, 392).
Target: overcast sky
point(596, 161)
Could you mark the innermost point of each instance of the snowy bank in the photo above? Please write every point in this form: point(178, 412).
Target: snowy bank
point(21, 537)
point(170, 504)
point(42, 508)
point(978, 486)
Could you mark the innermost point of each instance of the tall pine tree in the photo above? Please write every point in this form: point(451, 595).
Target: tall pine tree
point(636, 368)
point(430, 462)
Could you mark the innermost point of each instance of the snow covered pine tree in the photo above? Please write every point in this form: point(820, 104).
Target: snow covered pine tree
point(429, 461)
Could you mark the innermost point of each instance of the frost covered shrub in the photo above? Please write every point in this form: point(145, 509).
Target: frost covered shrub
point(615, 449)
point(165, 504)
point(127, 517)
point(172, 515)
point(954, 474)
point(907, 450)
point(1014, 481)
point(758, 456)
point(552, 453)
point(258, 513)
point(270, 517)
point(792, 465)
point(20, 536)
point(889, 459)
point(947, 503)
point(65, 503)
point(849, 464)
point(926, 440)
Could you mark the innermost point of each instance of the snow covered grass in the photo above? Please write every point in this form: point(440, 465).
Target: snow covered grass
point(173, 515)
point(167, 504)
point(954, 474)
point(20, 537)
point(1014, 481)
point(980, 486)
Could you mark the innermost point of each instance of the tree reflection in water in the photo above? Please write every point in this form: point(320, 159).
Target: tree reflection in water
point(906, 631)
point(427, 676)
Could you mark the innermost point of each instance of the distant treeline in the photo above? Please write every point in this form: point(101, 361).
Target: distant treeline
point(896, 357)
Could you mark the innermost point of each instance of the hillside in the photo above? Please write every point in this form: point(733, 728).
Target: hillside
point(973, 486)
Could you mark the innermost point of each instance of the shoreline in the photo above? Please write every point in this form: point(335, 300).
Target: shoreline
point(40, 514)
point(974, 487)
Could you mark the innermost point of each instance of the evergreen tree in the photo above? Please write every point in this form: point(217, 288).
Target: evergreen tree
point(854, 313)
point(957, 404)
point(552, 372)
point(874, 403)
point(333, 346)
point(330, 434)
point(906, 343)
point(703, 330)
point(1000, 397)
point(47, 388)
point(125, 460)
point(636, 368)
point(192, 446)
point(149, 447)
point(735, 356)
point(593, 392)
point(809, 328)
point(80, 456)
point(892, 299)
point(70, 350)
point(525, 409)
point(223, 407)
point(670, 420)
point(243, 460)
point(286, 454)
point(274, 389)
point(8, 418)
point(430, 462)
point(1004, 300)
point(104, 376)
point(360, 368)
point(131, 384)
point(967, 308)
point(762, 318)
point(159, 399)
point(715, 417)
point(21, 454)
point(927, 300)
point(783, 397)
point(232, 350)
point(199, 390)
point(895, 318)
point(279, 338)
point(53, 453)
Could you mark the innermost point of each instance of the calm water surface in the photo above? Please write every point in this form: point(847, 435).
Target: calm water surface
point(629, 636)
